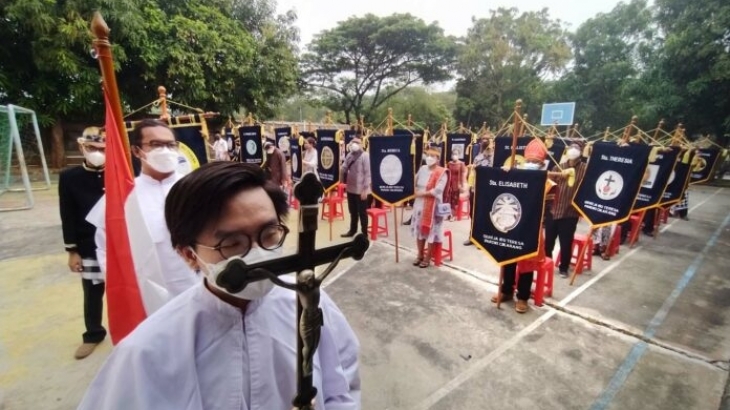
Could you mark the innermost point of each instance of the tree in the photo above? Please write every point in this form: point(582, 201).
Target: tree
point(428, 109)
point(612, 52)
point(375, 57)
point(504, 58)
point(696, 59)
point(199, 50)
point(202, 51)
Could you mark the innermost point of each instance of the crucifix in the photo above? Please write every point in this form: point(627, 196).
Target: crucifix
point(238, 274)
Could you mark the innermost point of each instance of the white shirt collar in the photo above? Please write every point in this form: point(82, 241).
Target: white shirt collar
point(167, 181)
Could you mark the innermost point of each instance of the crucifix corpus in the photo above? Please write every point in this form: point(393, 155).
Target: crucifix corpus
point(238, 274)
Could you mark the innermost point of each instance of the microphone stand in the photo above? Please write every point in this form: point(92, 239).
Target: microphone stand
point(238, 274)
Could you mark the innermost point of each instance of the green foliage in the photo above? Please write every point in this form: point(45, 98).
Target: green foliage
point(506, 57)
point(358, 65)
point(427, 109)
point(611, 52)
point(203, 51)
point(696, 61)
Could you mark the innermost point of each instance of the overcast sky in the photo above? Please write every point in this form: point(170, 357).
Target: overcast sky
point(454, 16)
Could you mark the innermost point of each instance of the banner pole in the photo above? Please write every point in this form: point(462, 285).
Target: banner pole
point(395, 228)
point(515, 132)
point(103, 49)
point(499, 288)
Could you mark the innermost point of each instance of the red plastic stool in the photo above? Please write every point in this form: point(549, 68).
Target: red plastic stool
point(341, 188)
point(463, 210)
point(635, 227)
point(293, 201)
point(615, 244)
point(581, 256)
point(332, 207)
point(375, 229)
point(543, 282)
point(663, 215)
point(440, 252)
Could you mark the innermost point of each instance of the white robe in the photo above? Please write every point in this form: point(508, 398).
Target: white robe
point(153, 254)
point(198, 352)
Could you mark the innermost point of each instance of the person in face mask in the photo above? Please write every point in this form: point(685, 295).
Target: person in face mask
point(79, 189)
point(457, 181)
point(564, 221)
point(355, 172)
point(426, 223)
point(154, 144)
point(535, 155)
point(210, 349)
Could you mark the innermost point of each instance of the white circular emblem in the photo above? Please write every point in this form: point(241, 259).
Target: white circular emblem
point(284, 144)
point(251, 147)
point(609, 185)
point(327, 158)
point(186, 160)
point(671, 178)
point(295, 164)
point(391, 169)
point(506, 212)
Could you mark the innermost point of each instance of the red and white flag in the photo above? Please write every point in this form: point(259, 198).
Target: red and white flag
point(134, 285)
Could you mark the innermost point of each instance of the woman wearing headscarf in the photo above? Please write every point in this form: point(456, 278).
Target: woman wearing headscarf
point(426, 224)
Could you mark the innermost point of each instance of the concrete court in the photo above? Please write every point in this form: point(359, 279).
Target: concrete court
point(647, 330)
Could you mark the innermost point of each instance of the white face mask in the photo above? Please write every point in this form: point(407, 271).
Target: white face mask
point(531, 166)
point(455, 157)
point(252, 291)
point(354, 147)
point(573, 154)
point(95, 158)
point(430, 161)
point(162, 160)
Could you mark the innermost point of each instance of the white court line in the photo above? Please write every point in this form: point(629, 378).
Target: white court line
point(481, 364)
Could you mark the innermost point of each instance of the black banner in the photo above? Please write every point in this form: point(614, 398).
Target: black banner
point(503, 150)
point(416, 149)
point(391, 168)
point(679, 178)
point(705, 161)
point(329, 158)
point(251, 149)
point(283, 139)
point(192, 147)
point(457, 143)
point(656, 179)
point(611, 183)
point(296, 159)
point(556, 149)
point(508, 209)
point(474, 150)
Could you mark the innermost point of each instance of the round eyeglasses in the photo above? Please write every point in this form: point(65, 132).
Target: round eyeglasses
point(270, 237)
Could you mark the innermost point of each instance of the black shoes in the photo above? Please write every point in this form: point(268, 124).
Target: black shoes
point(347, 235)
point(468, 243)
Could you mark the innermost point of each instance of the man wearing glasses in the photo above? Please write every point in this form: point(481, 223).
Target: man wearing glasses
point(154, 144)
point(211, 348)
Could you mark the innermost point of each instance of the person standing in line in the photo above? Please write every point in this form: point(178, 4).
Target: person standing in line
point(535, 155)
point(79, 189)
point(153, 142)
point(355, 172)
point(310, 157)
point(220, 148)
point(426, 223)
point(564, 221)
point(275, 164)
point(457, 182)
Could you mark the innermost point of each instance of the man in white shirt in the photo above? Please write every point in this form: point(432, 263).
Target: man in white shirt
point(154, 144)
point(211, 349)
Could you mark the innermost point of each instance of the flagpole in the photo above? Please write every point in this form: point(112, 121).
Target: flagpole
point(106, 63)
